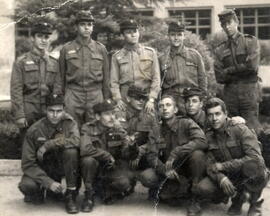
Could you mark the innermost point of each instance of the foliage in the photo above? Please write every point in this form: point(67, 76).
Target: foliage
point(265, 52)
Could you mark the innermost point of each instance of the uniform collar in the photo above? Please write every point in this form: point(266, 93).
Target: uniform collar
point(181, 50)
point(37, 54)
point(131, 112)
point(172, 123)
point(233, 39)
point(225, 129)
point(200, 118)
point(133, 47)
point(80, 43)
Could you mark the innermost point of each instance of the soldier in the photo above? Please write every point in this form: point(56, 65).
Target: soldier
point(181, 161)
point(181, 67)
point(136, 65)
point(104, 150)
point(235, 165)
point(84, 71)
point(33, 78)
point(51, 151)
point(236, 66)
point(194, 103)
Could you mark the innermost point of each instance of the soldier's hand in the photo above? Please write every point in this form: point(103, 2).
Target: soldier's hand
point(169, 165)
point(121, 105)
point(134, 164)
point(171, 174)
point(41, 151)
point(227, 187)
point(22, 123)
point(149, 106)
point(110, 163)
point(56, 187)
point(238, 120)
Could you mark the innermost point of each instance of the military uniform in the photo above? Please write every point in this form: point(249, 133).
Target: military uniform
point(181, 67)
point(236, 66)
point(61, 158)
point(33, 77)
point(99, 146)
point(184, 143)
point(84, 75)
point(239, 152)
point(134, 65)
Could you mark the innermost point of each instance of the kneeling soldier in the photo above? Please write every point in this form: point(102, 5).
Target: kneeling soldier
point(50, 151)
point(104, 149)
point(235, 165)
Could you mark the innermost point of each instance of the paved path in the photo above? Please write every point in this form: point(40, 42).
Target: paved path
point(11, 202)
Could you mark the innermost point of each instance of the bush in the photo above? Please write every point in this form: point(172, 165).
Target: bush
point(265, 52)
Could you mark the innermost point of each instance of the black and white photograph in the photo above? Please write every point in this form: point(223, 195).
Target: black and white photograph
point(135, 107)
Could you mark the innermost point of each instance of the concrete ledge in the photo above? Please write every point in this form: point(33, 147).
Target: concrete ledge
point(10, 167)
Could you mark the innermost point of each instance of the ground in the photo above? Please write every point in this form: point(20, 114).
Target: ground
point(12, 204)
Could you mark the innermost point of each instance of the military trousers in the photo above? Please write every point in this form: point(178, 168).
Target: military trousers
point(242, 99)
point(55, 167)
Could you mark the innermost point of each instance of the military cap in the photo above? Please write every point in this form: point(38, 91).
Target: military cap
point(176, 27)
point(54, 99)
point(227, 15)
point(188, 92)
point(84, 16)
point(128, 24)
point(42, 27)
point(104, 106)
point(137, 93)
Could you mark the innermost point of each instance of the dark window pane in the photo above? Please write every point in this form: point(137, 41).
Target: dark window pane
point(204, 21)
point(249, 30)
point(249, 12)
point(204, 13)
point(175, 13)
point(193, 30)
point(263, 11)
point(204, 32)
point(147, 13)
point(191, 22)
point(190, 14)
point(249, 20)
point(264, 19)
point(264, 32)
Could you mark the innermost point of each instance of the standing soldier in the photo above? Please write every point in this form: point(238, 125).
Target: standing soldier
point(84, 71)
point(235, 165)
point(181, 67)
point(236, 66)
point(33, 78)
point(51, 151)
point(136, 65)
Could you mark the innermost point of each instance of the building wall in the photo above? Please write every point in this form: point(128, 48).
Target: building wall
point(7, 46)
point(216, 7)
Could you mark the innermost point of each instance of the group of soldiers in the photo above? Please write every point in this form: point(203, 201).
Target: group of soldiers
point(139, 117)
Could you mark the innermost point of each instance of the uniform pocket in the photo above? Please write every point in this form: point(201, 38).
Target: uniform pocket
point(97, 67)
point(51, 74)
point(234, 148)
point(31, 74)
point(72, 60)
point(146, 64)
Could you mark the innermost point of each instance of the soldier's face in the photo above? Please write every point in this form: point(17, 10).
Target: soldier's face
point(102, 38)
point(137, 103)
point(230, 27)
point(167, 108)
point(41, 41)
point(131, 36)
point(85, 29)
point(216, 117)
point(55, 113)
point(106, 118)
point(176, 38)
point(193, 105)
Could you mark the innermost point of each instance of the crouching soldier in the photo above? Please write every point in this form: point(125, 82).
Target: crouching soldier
point(51, 151)
point(182, 160)
point(103, 149)
point(235, 165)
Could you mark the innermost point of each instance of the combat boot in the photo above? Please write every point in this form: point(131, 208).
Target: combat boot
point(88, 201)
point(194, 209)
point(237, 203)
point(255, 208)
point(70, 201)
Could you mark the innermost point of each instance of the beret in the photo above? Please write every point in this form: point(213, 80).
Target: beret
point(54, 99)
point(104, 106)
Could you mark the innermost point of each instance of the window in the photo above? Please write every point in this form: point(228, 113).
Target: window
point(199, 21)
point(143, 12)
point(22, 30)
point(255, 21)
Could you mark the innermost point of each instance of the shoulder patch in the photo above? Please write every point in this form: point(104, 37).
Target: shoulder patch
point(150, 48)
point(101, 44)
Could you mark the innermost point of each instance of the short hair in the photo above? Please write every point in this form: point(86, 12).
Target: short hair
point(214, 102)
point(169, 96)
